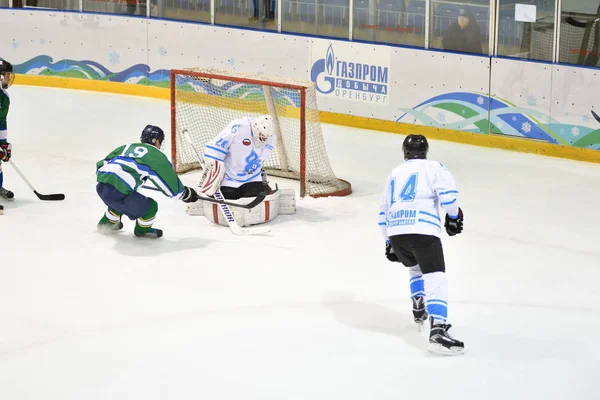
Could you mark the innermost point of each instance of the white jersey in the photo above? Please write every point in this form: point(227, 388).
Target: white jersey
point(413, 193)
point(234, 146)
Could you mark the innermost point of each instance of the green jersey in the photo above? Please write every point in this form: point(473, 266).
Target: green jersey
point(4, 104)
point(129, 166)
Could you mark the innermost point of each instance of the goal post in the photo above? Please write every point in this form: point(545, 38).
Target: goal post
point(205, 101)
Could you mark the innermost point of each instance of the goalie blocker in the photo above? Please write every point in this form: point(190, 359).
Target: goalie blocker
point(278, 202)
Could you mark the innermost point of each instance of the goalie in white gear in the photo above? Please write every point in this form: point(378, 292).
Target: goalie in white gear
point(233, 163)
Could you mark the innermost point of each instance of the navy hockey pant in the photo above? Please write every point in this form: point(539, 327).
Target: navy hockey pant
point(134, 205)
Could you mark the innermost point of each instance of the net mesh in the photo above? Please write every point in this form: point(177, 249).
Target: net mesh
point(206, 100)
point(577, 41)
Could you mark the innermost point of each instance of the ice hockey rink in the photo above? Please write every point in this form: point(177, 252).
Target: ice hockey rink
point(313, 310)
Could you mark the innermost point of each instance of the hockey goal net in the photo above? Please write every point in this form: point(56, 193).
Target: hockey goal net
point(205, 101)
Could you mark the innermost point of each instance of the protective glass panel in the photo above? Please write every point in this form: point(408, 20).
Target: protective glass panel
point(257, 14)
point(460, 26)
point(580, 33)
point(520, 38)
point(317, 17)
point(67, 5)
point(126, 7)
point(189, 10)
point(390, 21)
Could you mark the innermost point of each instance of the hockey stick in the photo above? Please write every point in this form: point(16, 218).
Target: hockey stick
point(233, 225)
point(50, 197)
point(596, 116)
point(252, 204)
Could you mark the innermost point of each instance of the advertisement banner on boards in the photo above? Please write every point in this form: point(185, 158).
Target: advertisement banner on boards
point(352, 72)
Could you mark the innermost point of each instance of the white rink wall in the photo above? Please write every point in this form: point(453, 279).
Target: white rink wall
point(478, 94)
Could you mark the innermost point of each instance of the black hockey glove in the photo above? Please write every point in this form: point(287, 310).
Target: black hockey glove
point(389, 253)
point(189, 195)
point(454, 226)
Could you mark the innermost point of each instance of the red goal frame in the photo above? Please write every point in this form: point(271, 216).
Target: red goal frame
point(302, 89)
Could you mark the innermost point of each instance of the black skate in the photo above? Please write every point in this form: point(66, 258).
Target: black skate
point(1, 209)
point(7, 194)
point(419, 310)
point(151, 233)
point(441, 343)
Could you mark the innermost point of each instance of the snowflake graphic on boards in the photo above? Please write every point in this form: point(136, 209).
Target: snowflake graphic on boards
point(114, 58)
point(575, 131)
point(480, 100)
point(531, 100)
point(526, 127)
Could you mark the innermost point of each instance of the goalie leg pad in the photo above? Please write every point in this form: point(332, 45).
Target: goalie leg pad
point(287, 201)
point(278, 202)
point(195, 209)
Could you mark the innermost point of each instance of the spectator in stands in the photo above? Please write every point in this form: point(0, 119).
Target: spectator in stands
point(463, 35)
point(268, 8)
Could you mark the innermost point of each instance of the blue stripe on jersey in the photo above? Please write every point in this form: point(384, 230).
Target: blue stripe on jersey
point(431, 215)
point(213, 157)
point(429, 222)
point(447, 203)
point(217, 149)
point(269, 147)
point(141, 167)
point(448, 192)
point(382, 223)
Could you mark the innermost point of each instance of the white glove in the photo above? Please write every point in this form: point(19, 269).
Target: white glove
point(212, 176)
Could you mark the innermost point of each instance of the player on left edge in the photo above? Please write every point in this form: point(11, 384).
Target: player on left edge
point(6, 79)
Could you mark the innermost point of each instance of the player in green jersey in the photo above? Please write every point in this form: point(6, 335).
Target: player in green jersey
point(124, 170)
point(6, 79)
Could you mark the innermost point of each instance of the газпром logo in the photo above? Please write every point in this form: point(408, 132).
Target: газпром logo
point(351, 79)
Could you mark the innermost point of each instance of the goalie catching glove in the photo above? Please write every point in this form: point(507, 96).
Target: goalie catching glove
point(212, 176)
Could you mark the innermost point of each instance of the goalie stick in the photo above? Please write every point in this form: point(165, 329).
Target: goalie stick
point(49, 197)
point(233, 225)
point(596, 116)
point(257, 200)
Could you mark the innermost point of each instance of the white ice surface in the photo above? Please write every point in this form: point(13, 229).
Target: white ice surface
point(313, 311)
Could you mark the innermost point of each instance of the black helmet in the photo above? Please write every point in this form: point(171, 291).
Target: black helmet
point(151, 133)
point(6, 73)
point(415, 147)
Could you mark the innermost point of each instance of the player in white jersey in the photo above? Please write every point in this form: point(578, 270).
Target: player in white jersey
point(410, 221)
point(233, 160)
point(233, 163)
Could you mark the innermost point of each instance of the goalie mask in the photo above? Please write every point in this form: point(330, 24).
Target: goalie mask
point(262, 130)
point(7, 77)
